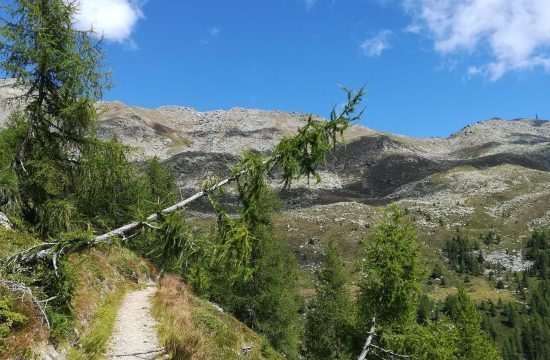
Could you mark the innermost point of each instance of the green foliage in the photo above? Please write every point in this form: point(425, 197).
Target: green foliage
point(465, 316)
point(174, 245)
point(160, 183)
point(10, 136)
point(457, 335)
point(56, 216)
point(460, 252)
point(60, 71)
point(391, 278)
point(246, 269)
point(234, 243)
point(60, 286)
point(433, 340)
point(9, 318)
point(268, 301)
point(331, 320)
point(490, 238)
point(300, 155)
point(437, 271)
point(538, 250)
point(61, 68)
point(109, 191)
point(425, 309)
point(106, 183)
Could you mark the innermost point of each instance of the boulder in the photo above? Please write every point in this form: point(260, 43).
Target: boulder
point(5, 222)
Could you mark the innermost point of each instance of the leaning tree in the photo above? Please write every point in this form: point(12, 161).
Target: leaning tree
point(61, 72)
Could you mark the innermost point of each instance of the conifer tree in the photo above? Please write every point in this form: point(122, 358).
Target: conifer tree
point(473, 343)
point(331, 320)
point(60, 70)
point(391, 273)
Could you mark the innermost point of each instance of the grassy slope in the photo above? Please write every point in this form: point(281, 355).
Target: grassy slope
point(102, 276)
point(508, 199)
point(187, 324)
point(33, 330)
point(191, 328)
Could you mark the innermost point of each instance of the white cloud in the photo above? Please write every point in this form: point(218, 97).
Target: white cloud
point(515, 33)
point(113, 19)
point(374, 46)
point(310, 4)
point(215, 31)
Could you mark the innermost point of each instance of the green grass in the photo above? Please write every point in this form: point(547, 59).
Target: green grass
point(191, 328)
point(95, 340)
point(11, 241)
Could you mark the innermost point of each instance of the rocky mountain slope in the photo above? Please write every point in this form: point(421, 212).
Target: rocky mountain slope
point(369, 167)
point(492, 175)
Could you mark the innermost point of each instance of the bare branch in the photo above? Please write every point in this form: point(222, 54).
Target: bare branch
point(391, 353)
point(25, 290)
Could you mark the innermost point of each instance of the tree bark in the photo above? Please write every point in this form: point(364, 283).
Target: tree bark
point(370, 334)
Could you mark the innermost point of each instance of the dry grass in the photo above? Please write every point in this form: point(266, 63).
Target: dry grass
point(23, 338)
point(33, 330)
point(104, 276)
point(478, 289)
point(191, 328)
point(95, 340)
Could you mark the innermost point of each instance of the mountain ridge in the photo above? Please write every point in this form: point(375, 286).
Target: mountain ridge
point(368, 166)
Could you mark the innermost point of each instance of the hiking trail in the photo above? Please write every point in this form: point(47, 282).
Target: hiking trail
point(135, 334)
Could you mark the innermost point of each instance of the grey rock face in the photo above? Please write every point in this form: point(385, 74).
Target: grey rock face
point(370, 166)
point(8, 93)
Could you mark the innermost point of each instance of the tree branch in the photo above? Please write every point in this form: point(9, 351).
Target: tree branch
point(280, 157)
point(391, 353)
point(25, 290)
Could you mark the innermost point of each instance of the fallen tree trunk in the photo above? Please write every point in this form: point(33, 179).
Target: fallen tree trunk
point(55, 250)
point(298, 156)
point(370, 334)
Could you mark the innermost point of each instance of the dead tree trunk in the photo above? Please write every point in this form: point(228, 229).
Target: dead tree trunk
point(55, 250)
point(370, 335)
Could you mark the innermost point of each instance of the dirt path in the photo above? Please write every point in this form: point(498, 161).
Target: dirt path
point(135, 335)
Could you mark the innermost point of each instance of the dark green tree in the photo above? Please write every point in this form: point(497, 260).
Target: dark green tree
point(331, 320)
point(60, 70)
point(474, 343)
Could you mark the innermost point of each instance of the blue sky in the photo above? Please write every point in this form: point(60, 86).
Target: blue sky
point(430, 66)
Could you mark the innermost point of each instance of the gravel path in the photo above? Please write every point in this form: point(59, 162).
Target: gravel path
point(135, 335)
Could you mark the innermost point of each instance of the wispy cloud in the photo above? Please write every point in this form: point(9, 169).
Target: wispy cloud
point(215, 31)
point(310, 4)
point(115, 20)
point(515, 34)
point(375, 45)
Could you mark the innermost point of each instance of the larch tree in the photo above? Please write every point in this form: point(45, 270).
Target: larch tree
point(61, 73)
point(331, 319)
